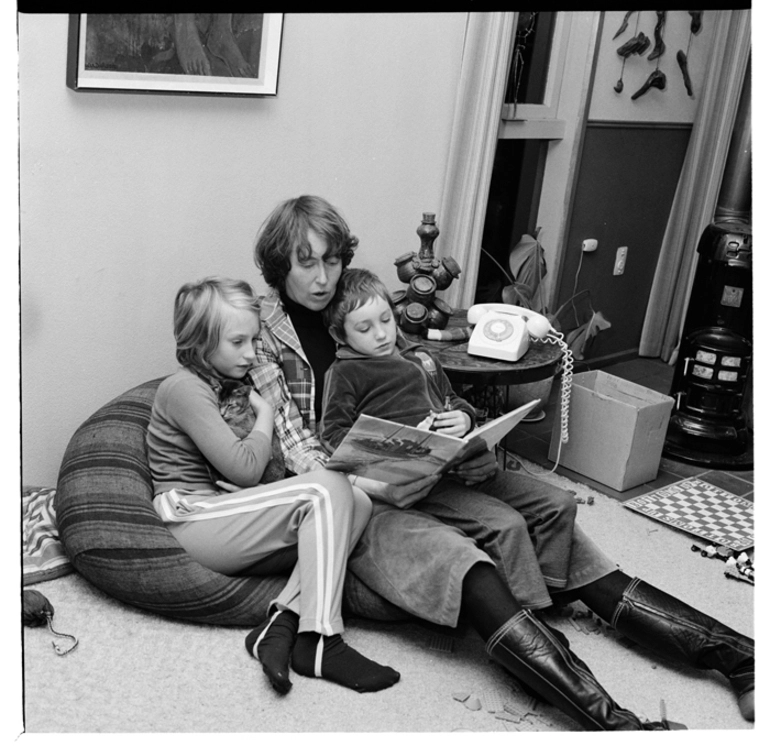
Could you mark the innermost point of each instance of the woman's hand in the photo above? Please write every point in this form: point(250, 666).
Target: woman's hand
point(476, 468)
point(399, 495)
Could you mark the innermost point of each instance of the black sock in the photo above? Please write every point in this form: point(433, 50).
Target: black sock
point(603, 595)
point(272, 643)
point(487, 601)
point(340, 663)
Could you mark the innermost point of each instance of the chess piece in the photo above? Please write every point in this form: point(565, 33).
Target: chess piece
point(657, 79)
point(732, 576)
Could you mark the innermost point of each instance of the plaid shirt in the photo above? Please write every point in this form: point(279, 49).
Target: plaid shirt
point(283, 376)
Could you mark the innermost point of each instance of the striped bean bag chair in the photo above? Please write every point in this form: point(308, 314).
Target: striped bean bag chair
point(115, 540)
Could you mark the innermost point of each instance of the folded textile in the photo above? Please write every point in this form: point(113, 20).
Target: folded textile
point(43, 556)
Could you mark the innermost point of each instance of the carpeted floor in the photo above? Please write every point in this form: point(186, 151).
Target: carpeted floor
point(134, 672)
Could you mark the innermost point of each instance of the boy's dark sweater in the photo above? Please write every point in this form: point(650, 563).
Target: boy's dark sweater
point(404, 387)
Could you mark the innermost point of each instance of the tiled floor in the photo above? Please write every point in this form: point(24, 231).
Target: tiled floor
point(532, 440)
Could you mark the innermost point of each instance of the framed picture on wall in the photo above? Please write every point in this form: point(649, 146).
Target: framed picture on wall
point(233, 54)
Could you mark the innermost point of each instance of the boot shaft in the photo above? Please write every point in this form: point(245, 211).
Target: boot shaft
point(661, 622)
point(529, 650)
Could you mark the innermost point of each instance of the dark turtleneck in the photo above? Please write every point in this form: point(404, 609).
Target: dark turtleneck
point(316, 341)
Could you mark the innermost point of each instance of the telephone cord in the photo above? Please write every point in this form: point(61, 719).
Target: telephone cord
point(568, 363)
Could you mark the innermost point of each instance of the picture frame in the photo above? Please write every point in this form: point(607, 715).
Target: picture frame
point(230, 54)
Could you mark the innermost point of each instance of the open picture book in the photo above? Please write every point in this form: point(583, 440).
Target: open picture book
point(397, 454)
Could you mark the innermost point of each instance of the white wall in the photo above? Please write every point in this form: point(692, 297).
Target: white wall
point(126, 196)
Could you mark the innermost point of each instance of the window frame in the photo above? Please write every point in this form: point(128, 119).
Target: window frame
point(540, 121)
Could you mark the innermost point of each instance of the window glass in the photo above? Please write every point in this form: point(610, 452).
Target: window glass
point(528, 73)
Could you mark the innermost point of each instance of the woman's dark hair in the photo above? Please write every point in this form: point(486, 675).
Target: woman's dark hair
point(286, 229)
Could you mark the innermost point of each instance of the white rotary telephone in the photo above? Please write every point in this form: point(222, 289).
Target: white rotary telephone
point(502, 331)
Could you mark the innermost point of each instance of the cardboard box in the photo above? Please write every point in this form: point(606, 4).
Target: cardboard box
point(617, 430)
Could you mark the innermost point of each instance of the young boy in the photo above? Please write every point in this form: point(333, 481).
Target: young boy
point(379, 373)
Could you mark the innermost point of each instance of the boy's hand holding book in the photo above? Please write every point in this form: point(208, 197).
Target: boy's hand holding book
point(453, 422)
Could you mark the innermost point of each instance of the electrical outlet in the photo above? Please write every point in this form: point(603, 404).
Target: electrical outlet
point(590, 244)
point(620, 260)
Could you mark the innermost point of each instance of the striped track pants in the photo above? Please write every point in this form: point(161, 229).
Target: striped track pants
point(231, 532)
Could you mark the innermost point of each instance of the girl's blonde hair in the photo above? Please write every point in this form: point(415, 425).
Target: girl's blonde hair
point(199, 313)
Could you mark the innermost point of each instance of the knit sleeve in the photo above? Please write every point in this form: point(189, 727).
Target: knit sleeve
point(191, 405)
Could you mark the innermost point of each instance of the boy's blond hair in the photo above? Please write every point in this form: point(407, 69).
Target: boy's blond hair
point(355, 288)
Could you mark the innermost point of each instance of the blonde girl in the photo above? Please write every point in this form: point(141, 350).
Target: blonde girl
point(308, 523)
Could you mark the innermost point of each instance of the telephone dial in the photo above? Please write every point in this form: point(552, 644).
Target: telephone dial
point(502, 331)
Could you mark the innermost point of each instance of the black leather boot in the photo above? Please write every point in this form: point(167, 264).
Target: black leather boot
point(530, 650)
point(666, 625)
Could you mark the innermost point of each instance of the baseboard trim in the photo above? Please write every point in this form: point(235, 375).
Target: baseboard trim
point(606, 360)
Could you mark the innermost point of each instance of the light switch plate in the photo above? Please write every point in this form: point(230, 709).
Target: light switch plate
point(620, 260)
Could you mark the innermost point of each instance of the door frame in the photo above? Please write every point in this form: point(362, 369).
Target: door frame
point(480, 122)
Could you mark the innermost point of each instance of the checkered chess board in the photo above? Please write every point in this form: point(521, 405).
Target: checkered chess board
point(699, 508)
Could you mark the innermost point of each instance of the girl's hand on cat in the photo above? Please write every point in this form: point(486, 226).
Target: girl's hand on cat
point(260, 405)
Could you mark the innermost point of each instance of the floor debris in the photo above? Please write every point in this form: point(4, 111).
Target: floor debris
point(493, 701)
point(441, 643)
point(473, 703)
point(507, 716)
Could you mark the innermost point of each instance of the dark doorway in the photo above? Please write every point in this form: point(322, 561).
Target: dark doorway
point(517, 174)
point(514, 197)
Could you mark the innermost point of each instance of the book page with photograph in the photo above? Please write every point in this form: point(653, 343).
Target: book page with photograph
point(398, 454)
